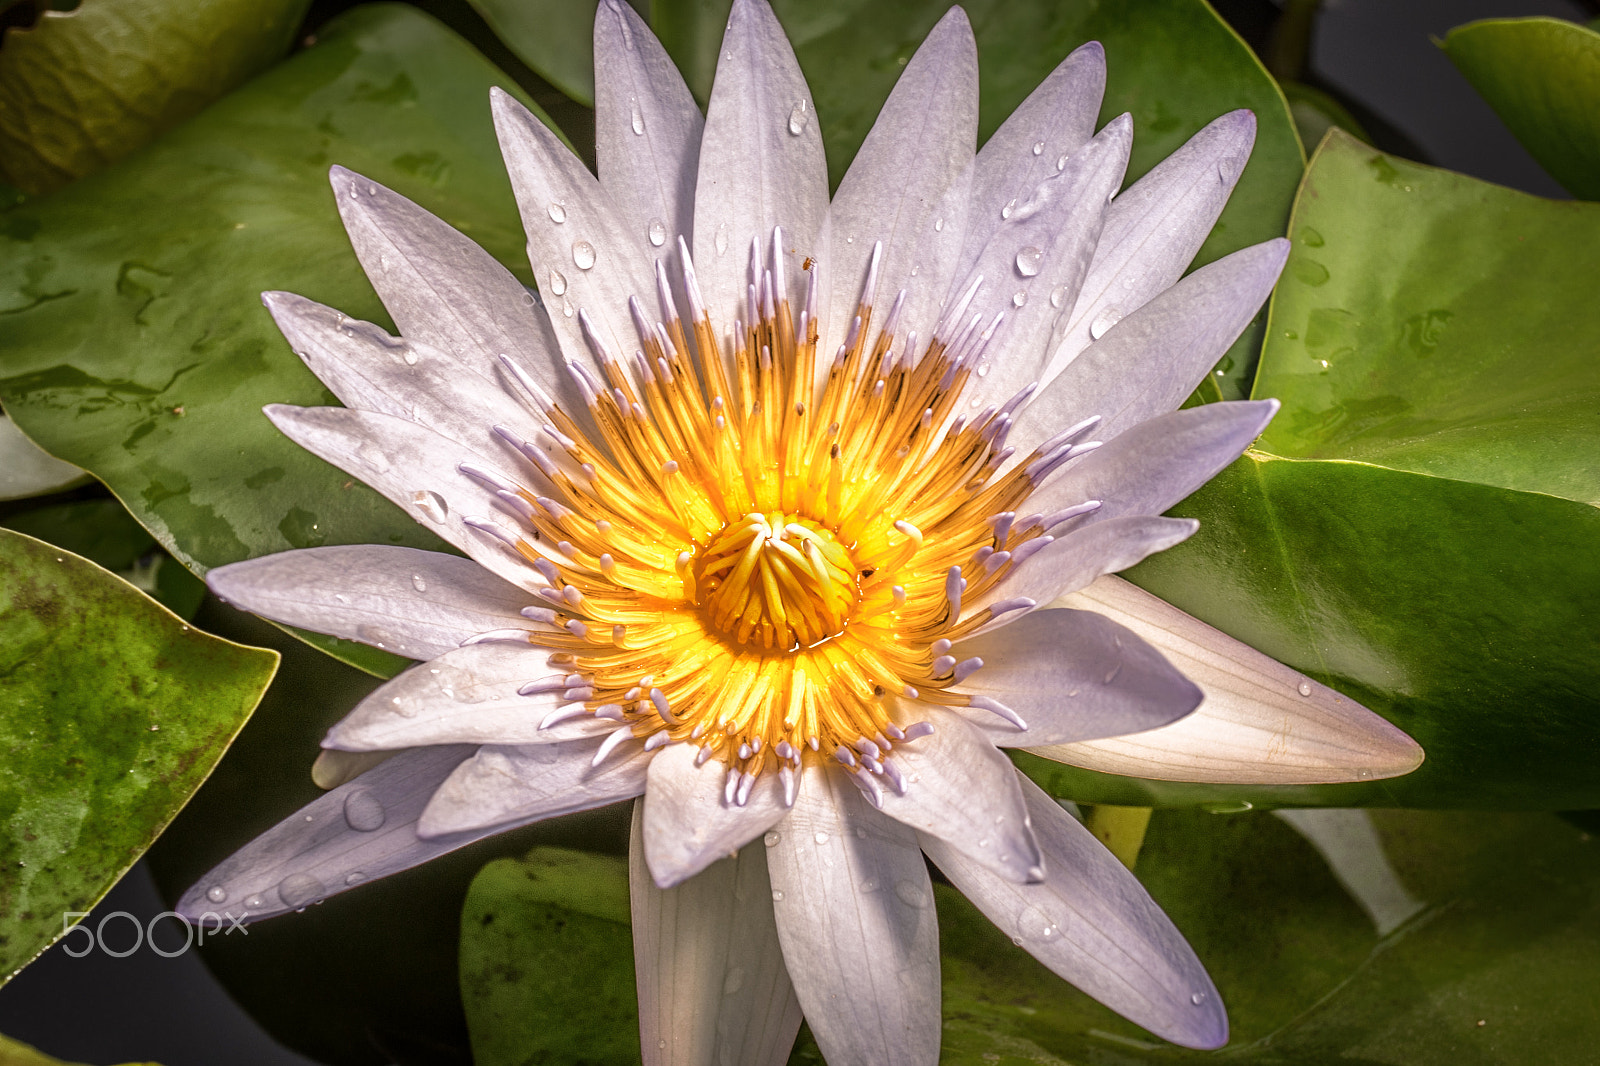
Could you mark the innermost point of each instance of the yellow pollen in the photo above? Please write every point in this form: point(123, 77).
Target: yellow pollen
point(754, 555)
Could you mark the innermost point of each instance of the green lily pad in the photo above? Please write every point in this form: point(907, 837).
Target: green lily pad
point(16, 1053)
point(554, 37)
point(85, 87)
point(1419, 526)
point(1172, 63)
point(136, 343)
point(1542, 77)
point(113, 712)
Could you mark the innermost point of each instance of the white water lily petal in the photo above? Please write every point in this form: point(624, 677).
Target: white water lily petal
point(369, 370)
point(1041, 251)
point(416, 469)
point(908, 186)
point(1150, 467)
point(961, 789)
point(1072, 561)
point(332, 768)
point(584, 255)
point(1153, 230)
point(358, 832)
point(761, 163)
point(504, 784)
point(1057, 119)
point(713, 989)
point(414, 603)
point(28, 470)
point(466, 696)
point(1149, 362)
point(1261, 722)
point(646, 130)
point(1092, 923)
point(688, 821)
point(855, 916)
point(1072, 675)
point(440, 288)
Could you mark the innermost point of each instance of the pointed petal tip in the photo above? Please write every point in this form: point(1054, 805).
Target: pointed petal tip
point(1090, 50)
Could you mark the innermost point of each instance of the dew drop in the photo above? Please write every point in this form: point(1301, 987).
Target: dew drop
point(1038, 148)
point(1034, 924)
point(799, 116)
point(418, 583)
point(558, 282)
point(1028, 260)
point(297, 890)
point(255, 903)
point(850, 239)
point(558, 212)
point(1305, 688)
point(354, 877)
point(771, 839)
point(777, 895)
point(868, 885)
point(1058, 295)
point(566, 308)
point(430, 504)
point(583, 255)
point(637, 121)
point(362, 811)
point(983, 369)
point(733, 981)
point(721, 239)
point(938, 225)
point(1019, 298)
point(657, 231)
point(1061, 164)
point(910, 894)
point(821, 837)
point(1198, 998)
point(217, 894)
point(1011, 205)
point(372, 455)
point(1103, 322)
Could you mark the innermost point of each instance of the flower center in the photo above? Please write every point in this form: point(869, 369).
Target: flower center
point(781, 581)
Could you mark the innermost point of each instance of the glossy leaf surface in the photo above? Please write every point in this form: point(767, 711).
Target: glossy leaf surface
point(113, 712)
point(136, 343)
point(85, 87)
point(1542, 77)
point(1418, 527)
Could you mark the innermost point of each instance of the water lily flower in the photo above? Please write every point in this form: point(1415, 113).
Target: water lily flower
point(764, 510)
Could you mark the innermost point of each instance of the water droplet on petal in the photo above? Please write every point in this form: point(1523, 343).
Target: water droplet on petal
point(583, 255)
point(217, 894)
point(1198, 998)
point(1019, 298)
point(1028, 260)
point(1061, 164)
point(1103, 322)
point(777, 895)
point(1011, 205)
point(558, 212)
point(1038, 148)
point(938, 225)
point(721, 239)
point(372, 455)
point(255, 903)
point(430, 504)
point(355, 877)
point(1305, 688)
point(911, 894)
point(362, 811)
point(566, 308)
point(771, 839)
point(1058, 295)
point(409, 354)
point(418, 583)
point(733, 981)
point(799, 117)
point(637, 121)
point(558, 282)
point(1035, 925)
point(821, 837)
point(657, 232)
point(297, 890)
point(983, 369)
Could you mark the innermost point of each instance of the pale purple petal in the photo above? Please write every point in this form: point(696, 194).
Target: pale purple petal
point(525, 783)
point(414, 603)
point(855, 916)
point(441, 289)
point(646, 130)
point(1261, 722)
point(1149, 362)
point(1154, 229)
point(908, 186)
point(1071, 675)
point(1092, 923)
point(471, 695)
point(712, 984)
point(761, 163)
point(688, 821)
point(1072, 561)
point(358, 832)
point(961, 789)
